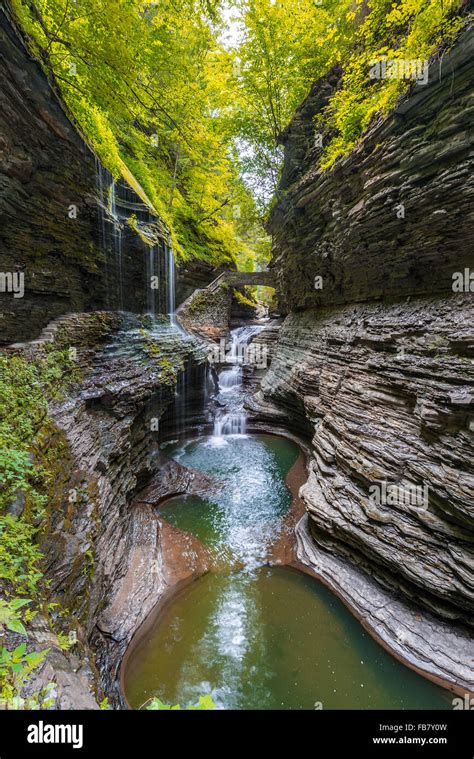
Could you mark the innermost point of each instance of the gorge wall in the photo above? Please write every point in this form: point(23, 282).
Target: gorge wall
point(377, 366)
point(348, 227)
point(108, 557)
point(72, 259)
point(87, 278)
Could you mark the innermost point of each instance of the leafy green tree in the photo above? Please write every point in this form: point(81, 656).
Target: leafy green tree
point(286, 46)
point(144, 82)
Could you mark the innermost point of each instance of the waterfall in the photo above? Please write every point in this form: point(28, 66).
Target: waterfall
point(151, 271)
point(99, 173)
point(230, 379)
point(232, 419)
point(118, 248)
point(171, 284)
point(117, 243)
point(180, 403)
point(159, 263)
point(110, 233)
point(230, 424)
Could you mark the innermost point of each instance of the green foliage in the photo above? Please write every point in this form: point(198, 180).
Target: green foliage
point(25, 453)
point(16, 667)
point(205, 703)
point(404, 30)
point(145, 83)
point(243, 300)
point(19, 556)
point(192, 122)
point(24, 391)
point(10, 615)
point(65, 643)
point(287, 46)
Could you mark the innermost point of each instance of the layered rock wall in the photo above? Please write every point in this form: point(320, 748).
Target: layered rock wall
point(102, 539)
point(387, 393)
point(395, 218)
point(63, 220)
point(376, 365)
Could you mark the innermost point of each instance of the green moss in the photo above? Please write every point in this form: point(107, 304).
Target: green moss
point(168, 369)
point(243, 300)
point(199, 303)
point(33, 463)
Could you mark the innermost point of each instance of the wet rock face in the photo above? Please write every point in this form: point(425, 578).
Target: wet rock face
point(194, 275)
point(44, 168)
point(387, 392)
point(207, 312)
point(72, 673)
point(395, 217)
point(102, 546)
point(56, 228)
point(375, 365)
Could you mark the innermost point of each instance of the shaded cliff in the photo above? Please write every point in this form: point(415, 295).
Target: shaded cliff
point(105, 553)
point(386, 393)
point(64, 222)
point(393, 219)
point(376, 367)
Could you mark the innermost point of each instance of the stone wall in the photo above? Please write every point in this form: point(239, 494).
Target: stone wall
point(92, 261)
point(347, 225)
point(377, 367)
point(102, 536)
point(44, 168)
point(386, 392)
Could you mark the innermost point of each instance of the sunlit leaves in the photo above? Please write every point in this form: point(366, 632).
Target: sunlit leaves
point(142, 80)
point(287, 46)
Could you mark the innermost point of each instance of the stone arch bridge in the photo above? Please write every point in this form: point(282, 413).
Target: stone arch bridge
point(241, 278)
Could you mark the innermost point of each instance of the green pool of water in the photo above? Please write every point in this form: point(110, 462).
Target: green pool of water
point(241, 518)
point(260, 637)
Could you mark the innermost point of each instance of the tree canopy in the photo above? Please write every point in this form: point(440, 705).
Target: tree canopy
point(162, 94)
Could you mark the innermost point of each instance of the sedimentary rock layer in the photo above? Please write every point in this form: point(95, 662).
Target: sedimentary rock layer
point(104, 551)
point(375, 363)
point(388, 393)
point(395, 217)
point(442, 651)
point(63, 222)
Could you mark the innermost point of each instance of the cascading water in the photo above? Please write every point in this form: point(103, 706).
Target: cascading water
point(160, 271)
point(103, 182)
point(171, 285)
point(232, 418)
point(117, 243)
point(253, 634)
point(231, 379)
point(180, 403)
point(152, 276)
point(110, 229)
